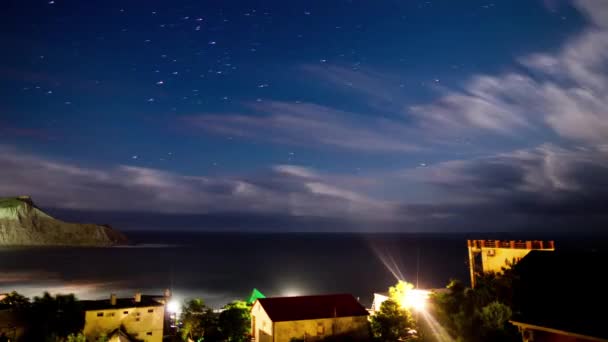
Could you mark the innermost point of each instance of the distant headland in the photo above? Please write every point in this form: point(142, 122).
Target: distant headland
point(22, 223)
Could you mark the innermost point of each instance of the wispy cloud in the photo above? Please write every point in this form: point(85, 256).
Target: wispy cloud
point(380, 91)
point(542, 181)
point(284, 190)
point(309, 124)
point(566, 92)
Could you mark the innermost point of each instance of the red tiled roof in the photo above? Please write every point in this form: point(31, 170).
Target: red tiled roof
point(281, 309)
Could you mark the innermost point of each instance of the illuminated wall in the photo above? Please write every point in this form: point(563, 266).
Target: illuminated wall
point(264, 330)
point(143, 323)
point(356, 327)
point(261, 325)
point(493, 255)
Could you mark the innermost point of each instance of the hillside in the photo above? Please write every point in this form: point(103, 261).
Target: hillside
point(22, 223)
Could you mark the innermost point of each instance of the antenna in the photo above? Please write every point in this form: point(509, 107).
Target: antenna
point(417, 264)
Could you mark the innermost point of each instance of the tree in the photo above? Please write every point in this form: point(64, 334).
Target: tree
point(235, 322)
point(479, 314)
point(198, 321)
point(54, 318)
point(399, 292)
point(391, 322)
point(16, 301)
point(76, 338)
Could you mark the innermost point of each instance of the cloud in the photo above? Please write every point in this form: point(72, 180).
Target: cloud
point(381, 91)
point(565, 92)
point(546, 181)
point(297, 171)
point(307, 124)
point(283, 190)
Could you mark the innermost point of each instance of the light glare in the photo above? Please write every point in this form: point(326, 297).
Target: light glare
point(415, 299)
point(173, 306)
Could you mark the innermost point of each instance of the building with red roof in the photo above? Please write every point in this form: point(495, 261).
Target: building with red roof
point(309, 318)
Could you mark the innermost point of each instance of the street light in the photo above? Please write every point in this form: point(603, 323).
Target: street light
point(415, 299)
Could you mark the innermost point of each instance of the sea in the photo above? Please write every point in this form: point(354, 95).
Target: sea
point(222, 267)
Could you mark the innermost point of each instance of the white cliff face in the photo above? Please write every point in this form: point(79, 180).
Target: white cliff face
point(23, 224)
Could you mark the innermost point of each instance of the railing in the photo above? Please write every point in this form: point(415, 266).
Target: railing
point(530, 244)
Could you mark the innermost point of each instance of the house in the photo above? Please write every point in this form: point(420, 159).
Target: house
point(560, 297)
point(492, 255)
point(141, 317)
point(12, 325)
point(308, 318)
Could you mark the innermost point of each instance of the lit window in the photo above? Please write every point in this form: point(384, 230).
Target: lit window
point(100, 314)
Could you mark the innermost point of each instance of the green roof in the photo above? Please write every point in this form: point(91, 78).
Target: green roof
point(255, 295)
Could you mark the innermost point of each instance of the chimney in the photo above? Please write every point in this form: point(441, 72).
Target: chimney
point(137, 297)
point(113, 299)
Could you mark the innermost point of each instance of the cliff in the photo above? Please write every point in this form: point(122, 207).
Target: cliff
point(24, 224)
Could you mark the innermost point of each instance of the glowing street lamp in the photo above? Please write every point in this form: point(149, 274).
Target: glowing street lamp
point(415, 299)
point(173, 306)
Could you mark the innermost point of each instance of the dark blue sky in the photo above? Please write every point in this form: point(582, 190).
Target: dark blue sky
point(307, 115)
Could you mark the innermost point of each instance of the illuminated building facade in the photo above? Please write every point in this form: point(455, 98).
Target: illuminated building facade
point(492, 255)
point(309, 318)
point(141, 317)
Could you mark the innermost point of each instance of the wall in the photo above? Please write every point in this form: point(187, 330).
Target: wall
point(501, 256)
point(261, 325)
point(357, 327)
point(544, 336)
point(10, 325)
point(149, 322)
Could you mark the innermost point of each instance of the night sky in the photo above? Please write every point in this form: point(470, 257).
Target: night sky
point(328, 115)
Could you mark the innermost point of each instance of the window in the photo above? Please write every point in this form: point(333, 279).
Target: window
point(137, 319)
point(149, 333)
point(125, 312)
point(320, 329)
point(138, 314)
point(100, 314)
point(150, 310)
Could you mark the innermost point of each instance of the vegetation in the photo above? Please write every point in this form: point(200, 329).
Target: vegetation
point(394, 322)
point(16, 301)
point(201, 323)
point(195, 319)
point(479, 314)
point(234, 322)
point(391, 322)
point(10, 202)
point(54, 319)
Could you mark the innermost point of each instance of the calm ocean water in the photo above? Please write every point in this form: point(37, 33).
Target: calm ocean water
point(222, 267)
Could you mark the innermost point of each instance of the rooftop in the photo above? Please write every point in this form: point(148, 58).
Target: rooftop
point(121, 303)
point(562, 291)
point(515, 244)
point(281, 309)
